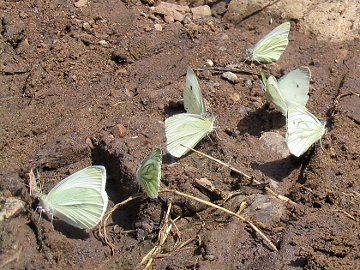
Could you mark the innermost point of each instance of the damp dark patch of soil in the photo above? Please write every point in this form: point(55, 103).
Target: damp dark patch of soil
point(70, 76)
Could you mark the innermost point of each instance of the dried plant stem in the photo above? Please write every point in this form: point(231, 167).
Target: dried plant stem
point(163, 235)
point(256, 229)
point(280, 197)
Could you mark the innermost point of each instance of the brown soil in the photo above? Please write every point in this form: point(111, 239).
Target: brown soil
point(62, 94)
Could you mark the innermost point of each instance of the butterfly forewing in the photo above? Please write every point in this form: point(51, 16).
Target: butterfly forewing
point(303, 130)
point(294, 86)
point(186, 129)
point(149, 173)
point(79, 199)
point(193, 100)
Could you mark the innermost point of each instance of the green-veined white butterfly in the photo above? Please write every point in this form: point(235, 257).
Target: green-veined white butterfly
point(188, 128)
point(270, 47)
point(291, 89)
point(149, 173)
point(80, 199)
point(303, 130)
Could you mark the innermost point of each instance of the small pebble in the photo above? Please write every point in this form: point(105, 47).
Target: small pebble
point(119, 131)
point(11, 207)
point(103, 42)
point(86, 26)
point(209, 63)
point(201, 12)
point(230, 77)
point(275, 143)
point(81, 3)
point(158, 27)
point(169, 19)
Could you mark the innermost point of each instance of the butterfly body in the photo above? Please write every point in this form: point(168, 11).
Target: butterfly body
point(303, 130)
point(80, 199)
point(271, 46)
point(149, 173)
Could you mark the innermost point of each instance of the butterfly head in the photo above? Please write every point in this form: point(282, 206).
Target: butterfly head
point(249, 54)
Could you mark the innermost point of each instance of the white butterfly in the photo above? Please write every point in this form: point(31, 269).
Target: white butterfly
point(303, 130)
point(80, 199)
point(270, 47)
point(291, 89)
point(188, 128)
point(149, 173)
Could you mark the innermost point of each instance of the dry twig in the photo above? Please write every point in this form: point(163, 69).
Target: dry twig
point(280, 197)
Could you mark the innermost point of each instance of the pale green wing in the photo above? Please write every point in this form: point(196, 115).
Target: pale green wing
point(149, 173)
point(294, 86)
point(271, 47)
point(303, 130)
point(193, 99)
point(272, 94)
point(80, 199)
point(186, 129)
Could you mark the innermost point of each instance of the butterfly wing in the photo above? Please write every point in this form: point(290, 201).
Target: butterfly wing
point(273, 94)
point(303, 130)
point(193, 99)
point(80, 199)
point(294, 86)
point(271, 47)
point(149, 173)
point(186, 129)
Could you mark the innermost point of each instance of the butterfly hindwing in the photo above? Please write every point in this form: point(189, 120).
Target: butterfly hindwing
point(149, 173)
point(303, 130)
point(186, 129)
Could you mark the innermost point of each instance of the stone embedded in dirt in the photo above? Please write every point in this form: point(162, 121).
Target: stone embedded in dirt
point(275, 143)
point(230, 77)
point(168, 19)
point(103, 42)
point(10, 207)
point(266, 210)
point(158, 27)
point(209, 63)
point(173, 10)
point(119, 131)
point(81, 3)
point(201, 12)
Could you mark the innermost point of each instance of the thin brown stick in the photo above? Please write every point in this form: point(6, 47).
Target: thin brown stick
point(256, 229)
point(273, 193)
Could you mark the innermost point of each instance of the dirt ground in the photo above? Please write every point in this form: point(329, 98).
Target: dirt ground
point(70, 75)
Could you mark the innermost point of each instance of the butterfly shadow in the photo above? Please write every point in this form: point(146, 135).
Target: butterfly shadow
point(259, 121)
point(278, 169)
point(174, 107)
point(70, 231)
